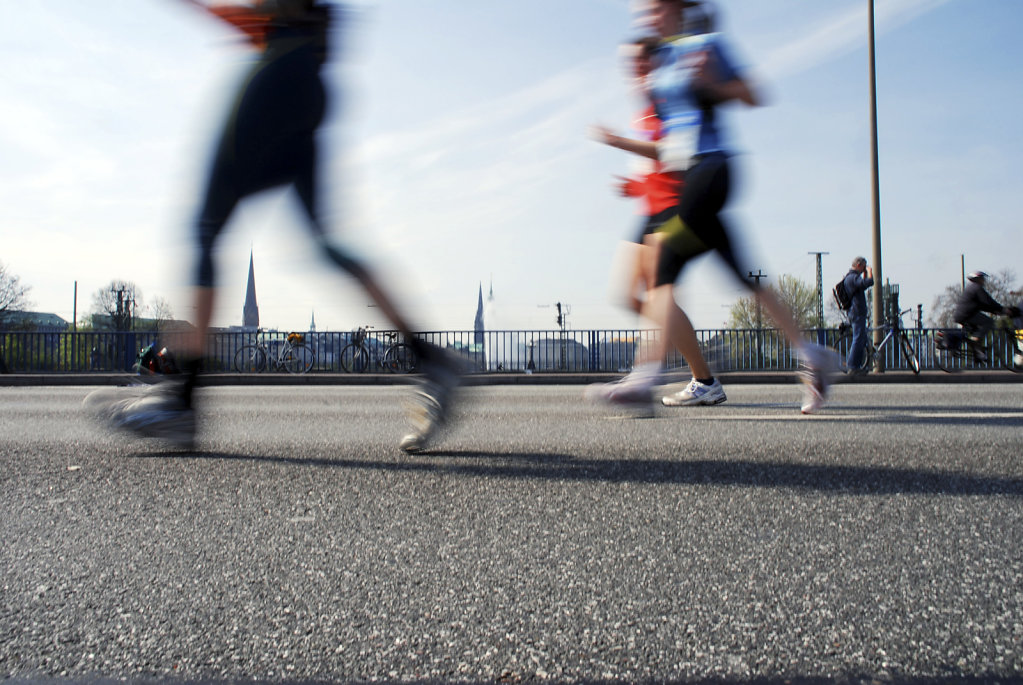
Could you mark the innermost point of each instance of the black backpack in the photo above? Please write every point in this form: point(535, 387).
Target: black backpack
point(841, 295)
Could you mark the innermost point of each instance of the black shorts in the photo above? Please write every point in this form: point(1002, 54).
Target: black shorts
point(268, 140)
point(697, 227)
point(653, 222)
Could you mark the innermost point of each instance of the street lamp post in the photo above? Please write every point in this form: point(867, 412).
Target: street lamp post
point(878, 297)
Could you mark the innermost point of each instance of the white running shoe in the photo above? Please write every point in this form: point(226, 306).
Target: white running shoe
point(153, 411)
point(696, 393)
point(441, 377)
point(821, 366)
point(627, 393)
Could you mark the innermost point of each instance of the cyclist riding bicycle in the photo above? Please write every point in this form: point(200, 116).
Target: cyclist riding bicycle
point(970, 308)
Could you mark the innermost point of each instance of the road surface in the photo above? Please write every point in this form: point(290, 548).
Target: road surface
point(543, 538)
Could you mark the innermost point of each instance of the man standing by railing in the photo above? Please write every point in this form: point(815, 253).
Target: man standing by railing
point(859, 278)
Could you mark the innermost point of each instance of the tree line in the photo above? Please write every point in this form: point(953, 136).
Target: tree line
point(801, 298)
point(120, 300)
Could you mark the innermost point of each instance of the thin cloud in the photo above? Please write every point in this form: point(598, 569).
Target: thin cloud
point(841, 34)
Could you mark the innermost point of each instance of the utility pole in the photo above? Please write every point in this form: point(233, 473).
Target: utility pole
point(562, 320)
point(760, 323)
point(563, 311)
point(756, 278)
point(123, 313)
point(820, 290)
point(119, 311)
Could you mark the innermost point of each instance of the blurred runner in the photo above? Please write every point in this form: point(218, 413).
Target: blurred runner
point(692, 76)
point(268, 141)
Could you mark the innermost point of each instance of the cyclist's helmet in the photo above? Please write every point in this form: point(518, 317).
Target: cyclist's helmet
point(977, 277)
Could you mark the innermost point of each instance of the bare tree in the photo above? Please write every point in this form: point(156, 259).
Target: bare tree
point(13, 295)
point(161, 310)
point(1001, 285)
point(798, 296)
point(119, 300)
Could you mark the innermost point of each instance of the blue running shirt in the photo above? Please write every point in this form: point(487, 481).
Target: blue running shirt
point(690, 127)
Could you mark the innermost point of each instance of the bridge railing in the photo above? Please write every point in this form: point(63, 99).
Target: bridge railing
point(508, 351)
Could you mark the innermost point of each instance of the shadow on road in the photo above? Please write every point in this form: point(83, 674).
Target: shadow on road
point(846, 480)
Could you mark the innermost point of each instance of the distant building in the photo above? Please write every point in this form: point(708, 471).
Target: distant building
point(617, 353)
point(105, 322)
point(558, 354)
point(38, 322)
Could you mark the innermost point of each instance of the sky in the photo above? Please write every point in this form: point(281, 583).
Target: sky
point(457, 157)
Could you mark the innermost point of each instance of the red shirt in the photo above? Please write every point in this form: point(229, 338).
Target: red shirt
point(252, 23)
point(660, 189)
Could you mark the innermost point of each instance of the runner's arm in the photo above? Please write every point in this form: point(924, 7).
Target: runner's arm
point(644, 148)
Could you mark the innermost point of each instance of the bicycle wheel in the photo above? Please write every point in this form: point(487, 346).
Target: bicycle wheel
point(1006, 346)
point(869, 357)
point(945, 359)
point(298, 359)
point(909, 353)
point(354, 358)
point(250, 359)
point(400, 358)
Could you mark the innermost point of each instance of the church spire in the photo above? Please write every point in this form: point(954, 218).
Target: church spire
point(250, 312)
point(478, 327)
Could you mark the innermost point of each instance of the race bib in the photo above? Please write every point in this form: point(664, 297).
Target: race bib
point(678, 147)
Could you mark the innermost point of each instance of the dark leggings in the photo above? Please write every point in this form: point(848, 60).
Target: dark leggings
point(699, 228)
point(269, 140)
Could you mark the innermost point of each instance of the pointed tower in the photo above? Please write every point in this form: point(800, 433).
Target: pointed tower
point(480, 334)
point(250, 312)
point(312, 323)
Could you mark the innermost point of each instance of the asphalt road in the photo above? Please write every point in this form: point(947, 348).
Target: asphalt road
point(543, 538)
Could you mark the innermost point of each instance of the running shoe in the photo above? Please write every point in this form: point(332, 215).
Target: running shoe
point(154, 411)
point(442, 375)
point(627, 393)
point(821, 364)
point(696, 393)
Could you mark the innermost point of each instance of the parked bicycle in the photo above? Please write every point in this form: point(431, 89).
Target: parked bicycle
point(293, 355)
point(893, 331)
point(398, 357)
point(955, 350)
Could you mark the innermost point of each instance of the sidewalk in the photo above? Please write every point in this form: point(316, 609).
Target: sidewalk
point(511, 378)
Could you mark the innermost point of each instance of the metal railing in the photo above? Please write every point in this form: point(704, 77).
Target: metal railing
point(518, 351)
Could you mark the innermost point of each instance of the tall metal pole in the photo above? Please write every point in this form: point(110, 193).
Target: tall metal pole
point(820, 289)
point(760, 322)
point(878, 297)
